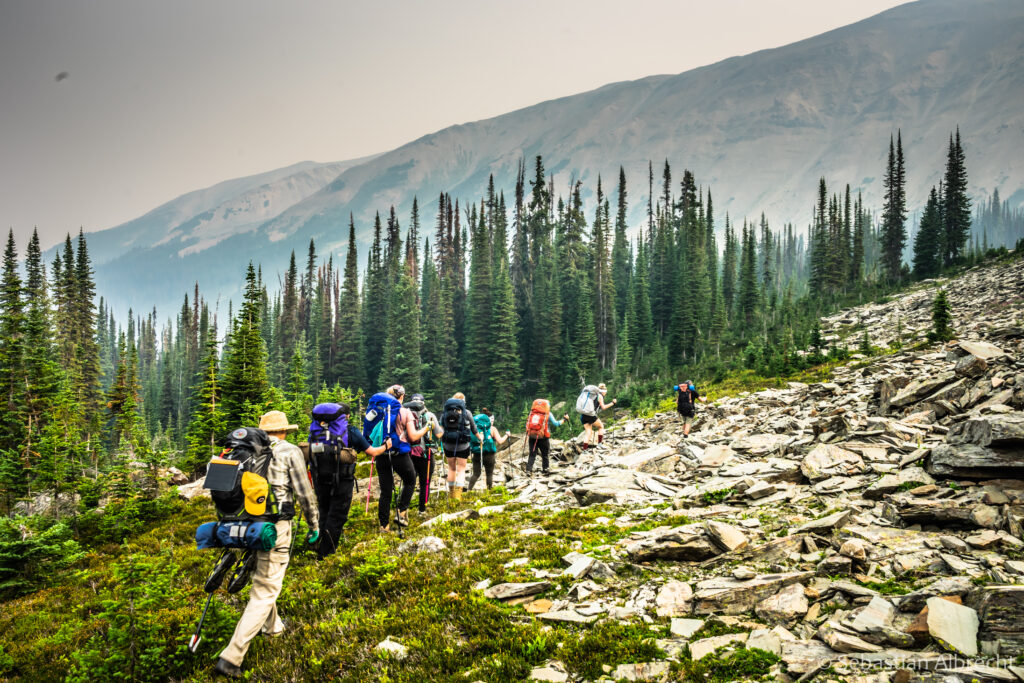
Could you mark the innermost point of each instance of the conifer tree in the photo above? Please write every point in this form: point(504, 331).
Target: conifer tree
point(87, 361)
point(747, 296)
point(401, 362)
point(40, 370)
point(503, 357)
point(478, 314)
point(208, 422)
point(643, 332)
point(245, 373)
point(604, 322)
point(941, 318)
point(927, 243)
point(349, 329)
point(956, 203)
point(374, 313)
point(730, 259)
point(12, 351)
point(621, 267)
point(857, 255)
point(894, 212)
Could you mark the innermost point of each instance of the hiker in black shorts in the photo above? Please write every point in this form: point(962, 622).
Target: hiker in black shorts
point(686, 399)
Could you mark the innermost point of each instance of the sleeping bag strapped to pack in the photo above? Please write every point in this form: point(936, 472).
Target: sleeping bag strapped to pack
point(537, 422)
point(330, 457)
point(380, 423)
point(455, 422)
point(248, 535)
point(237, 478)
point(586, 403)
point(483, 423)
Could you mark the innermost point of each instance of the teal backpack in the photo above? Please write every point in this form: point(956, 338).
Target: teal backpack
point(483, 423)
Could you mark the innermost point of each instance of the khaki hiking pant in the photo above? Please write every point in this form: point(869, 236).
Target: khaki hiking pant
point(261, 612)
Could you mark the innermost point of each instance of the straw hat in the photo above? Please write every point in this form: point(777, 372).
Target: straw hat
point(276, 421)
point(602, 388)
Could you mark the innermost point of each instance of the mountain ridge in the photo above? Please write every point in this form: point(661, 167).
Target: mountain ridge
point(758, 130)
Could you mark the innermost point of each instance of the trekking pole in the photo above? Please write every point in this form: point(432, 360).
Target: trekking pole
point(193, 642)
point(395, 497)
point(430, 475)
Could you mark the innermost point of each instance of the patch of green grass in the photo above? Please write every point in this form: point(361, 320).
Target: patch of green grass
point(608, 643)
point(908, 485)
point(894, 586)
point(714, 497)
point(726, 664)
point(714, 627)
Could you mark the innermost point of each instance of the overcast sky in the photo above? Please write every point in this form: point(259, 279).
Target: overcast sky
point(161, 98)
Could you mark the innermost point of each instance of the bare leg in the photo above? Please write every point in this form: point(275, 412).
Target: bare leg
point(588, 429)
point(452, 465)
point(600, 431)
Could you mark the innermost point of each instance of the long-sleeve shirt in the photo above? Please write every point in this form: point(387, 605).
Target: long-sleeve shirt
point(287, 476)
point(552, 421)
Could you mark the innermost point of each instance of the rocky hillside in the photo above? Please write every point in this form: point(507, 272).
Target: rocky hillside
point(873, 522)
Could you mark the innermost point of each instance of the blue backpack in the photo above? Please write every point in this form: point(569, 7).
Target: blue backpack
point(383, 414)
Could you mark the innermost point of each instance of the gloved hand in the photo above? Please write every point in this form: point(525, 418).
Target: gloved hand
point(312, 536)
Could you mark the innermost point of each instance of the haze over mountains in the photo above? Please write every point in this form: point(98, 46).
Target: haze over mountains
point(759, 130)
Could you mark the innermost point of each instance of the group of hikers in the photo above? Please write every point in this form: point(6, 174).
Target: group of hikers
point(401, 437)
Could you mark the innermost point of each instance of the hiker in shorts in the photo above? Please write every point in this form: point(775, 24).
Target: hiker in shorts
point(335, 497)
point(487, 451)
point(592, 422)
point(289, 480)
point(423, 449)
point(538, 433)
point(686, 399)
point(459, 427)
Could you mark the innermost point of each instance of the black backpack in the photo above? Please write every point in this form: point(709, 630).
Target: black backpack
point(454, 421)
point(237, 478)
point(684, 401)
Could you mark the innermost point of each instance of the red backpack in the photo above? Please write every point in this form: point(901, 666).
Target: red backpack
point(537, 423)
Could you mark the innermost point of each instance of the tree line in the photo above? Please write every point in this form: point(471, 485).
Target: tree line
point(504, 299)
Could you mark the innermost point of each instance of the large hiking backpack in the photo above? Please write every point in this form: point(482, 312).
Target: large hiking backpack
point(383, 413)
point(419, 409)
point(537, 422)
point(454, 421)
point(483, 423)
point(684, 399)
point(237, 478)
point(586, 403)
point(330, 457)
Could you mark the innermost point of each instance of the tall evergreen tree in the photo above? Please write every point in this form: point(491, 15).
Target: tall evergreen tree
point(894, 212)
point(927, 243)
point(956, 203)
point(349, 327)
point(12, 351)
point(621, 267)
point(245, 385)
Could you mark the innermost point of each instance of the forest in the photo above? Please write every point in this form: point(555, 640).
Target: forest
point(503, 298)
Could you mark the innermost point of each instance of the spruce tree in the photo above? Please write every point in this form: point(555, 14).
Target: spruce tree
point(401, 361)
point(956, 203)
point(12, 351)
point(476, 372)
point(857, 254)
point(208, 423)
point(894, 213)
point(730, 259)
point(503, 357)
point(244, 387)
point(927, 243)
point(941, 318)
point(349, 329)
point(621, 267)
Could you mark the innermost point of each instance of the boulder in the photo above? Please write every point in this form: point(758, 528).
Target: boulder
point(785, 607)
point(508, 591)
point(726, 536)
point(891, 483)
point(194, 490)
point(675, 599)
point(954, 627)
point(705, 646)
point(684, 628)
point(427, 544)
point(716, 456)
point(550, 673)
point(1000, 431)
point(918, 389)
point(971, 366)
point(827, 523)
point(1001, 612)
point(832, 634)
point(674, 544)
point(661, 459)
point(732, 596)
point(829, 460)
point(970, 461)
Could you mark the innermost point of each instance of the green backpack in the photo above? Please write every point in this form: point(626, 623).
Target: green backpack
point(483, 423)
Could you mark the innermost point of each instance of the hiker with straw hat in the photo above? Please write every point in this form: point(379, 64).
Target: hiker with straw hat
point(287, 476)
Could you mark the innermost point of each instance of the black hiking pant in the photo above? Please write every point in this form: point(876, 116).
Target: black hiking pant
point(488, 462)
point(543, 445)
point(424, 467)
point(388, 465)
point(334, 503)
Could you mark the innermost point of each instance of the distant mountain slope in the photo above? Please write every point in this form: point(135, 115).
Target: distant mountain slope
point(758, 129)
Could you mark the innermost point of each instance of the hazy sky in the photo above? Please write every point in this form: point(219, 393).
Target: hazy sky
point(161, 98)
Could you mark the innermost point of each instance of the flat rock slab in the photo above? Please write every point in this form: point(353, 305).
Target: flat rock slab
point(827, 523)
point(840, 641)
point(508, 591)
point(660, 459)
point(717, 455)
point(954, 627)
point(674, 545)
point(761, 444)
point(1004, 430)
point(731, 596)
point(684, 628)
point(701, 648)
point(802, 656)
point(452, 517)
point(641, 671)
point(829, 460)
point(891, 483)
point(549, 674)
point(568, 616)
point(878, 614)
point(981, 349)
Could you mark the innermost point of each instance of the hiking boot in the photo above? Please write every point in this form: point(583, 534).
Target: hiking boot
point(226, 668)
point(403, 518)
point(385, 529)
point(457, 493)
point(545, 472)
